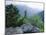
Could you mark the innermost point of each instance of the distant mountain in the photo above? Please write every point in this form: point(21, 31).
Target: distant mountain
point(30, 11)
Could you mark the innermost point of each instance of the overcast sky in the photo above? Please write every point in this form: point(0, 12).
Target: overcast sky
point(29, 4)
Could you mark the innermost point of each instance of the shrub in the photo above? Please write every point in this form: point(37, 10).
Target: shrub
point(36, 21)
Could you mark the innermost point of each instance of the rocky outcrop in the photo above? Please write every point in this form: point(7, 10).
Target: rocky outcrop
point(16, 30)
point(25, 28)
point(28, 28)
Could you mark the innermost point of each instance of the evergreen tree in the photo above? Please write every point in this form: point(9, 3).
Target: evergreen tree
point(12, 14)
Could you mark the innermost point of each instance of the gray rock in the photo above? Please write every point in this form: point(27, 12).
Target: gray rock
point(35, 30)
point(26, 27)
point(8, 31)
point(18, 30)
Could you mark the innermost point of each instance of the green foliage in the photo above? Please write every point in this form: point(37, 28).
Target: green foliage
point(12, 16)
point(36, 21)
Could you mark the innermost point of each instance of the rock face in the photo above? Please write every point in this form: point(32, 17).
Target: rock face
point(18, 30)
point(28, 28)
point(35, 30)
point(25, 28)
point(11, 30)
point(8, 31)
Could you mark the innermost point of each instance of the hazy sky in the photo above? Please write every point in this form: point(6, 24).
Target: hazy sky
point(30, 4)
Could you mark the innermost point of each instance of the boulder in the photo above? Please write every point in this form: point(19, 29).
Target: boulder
point(16, 30)
point(35, 30)
point(26, 27)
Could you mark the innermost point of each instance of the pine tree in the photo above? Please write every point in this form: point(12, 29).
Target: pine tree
point(12, 14)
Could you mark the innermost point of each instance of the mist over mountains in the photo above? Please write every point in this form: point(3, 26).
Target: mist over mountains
point(30, 11)
point(22, 8)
